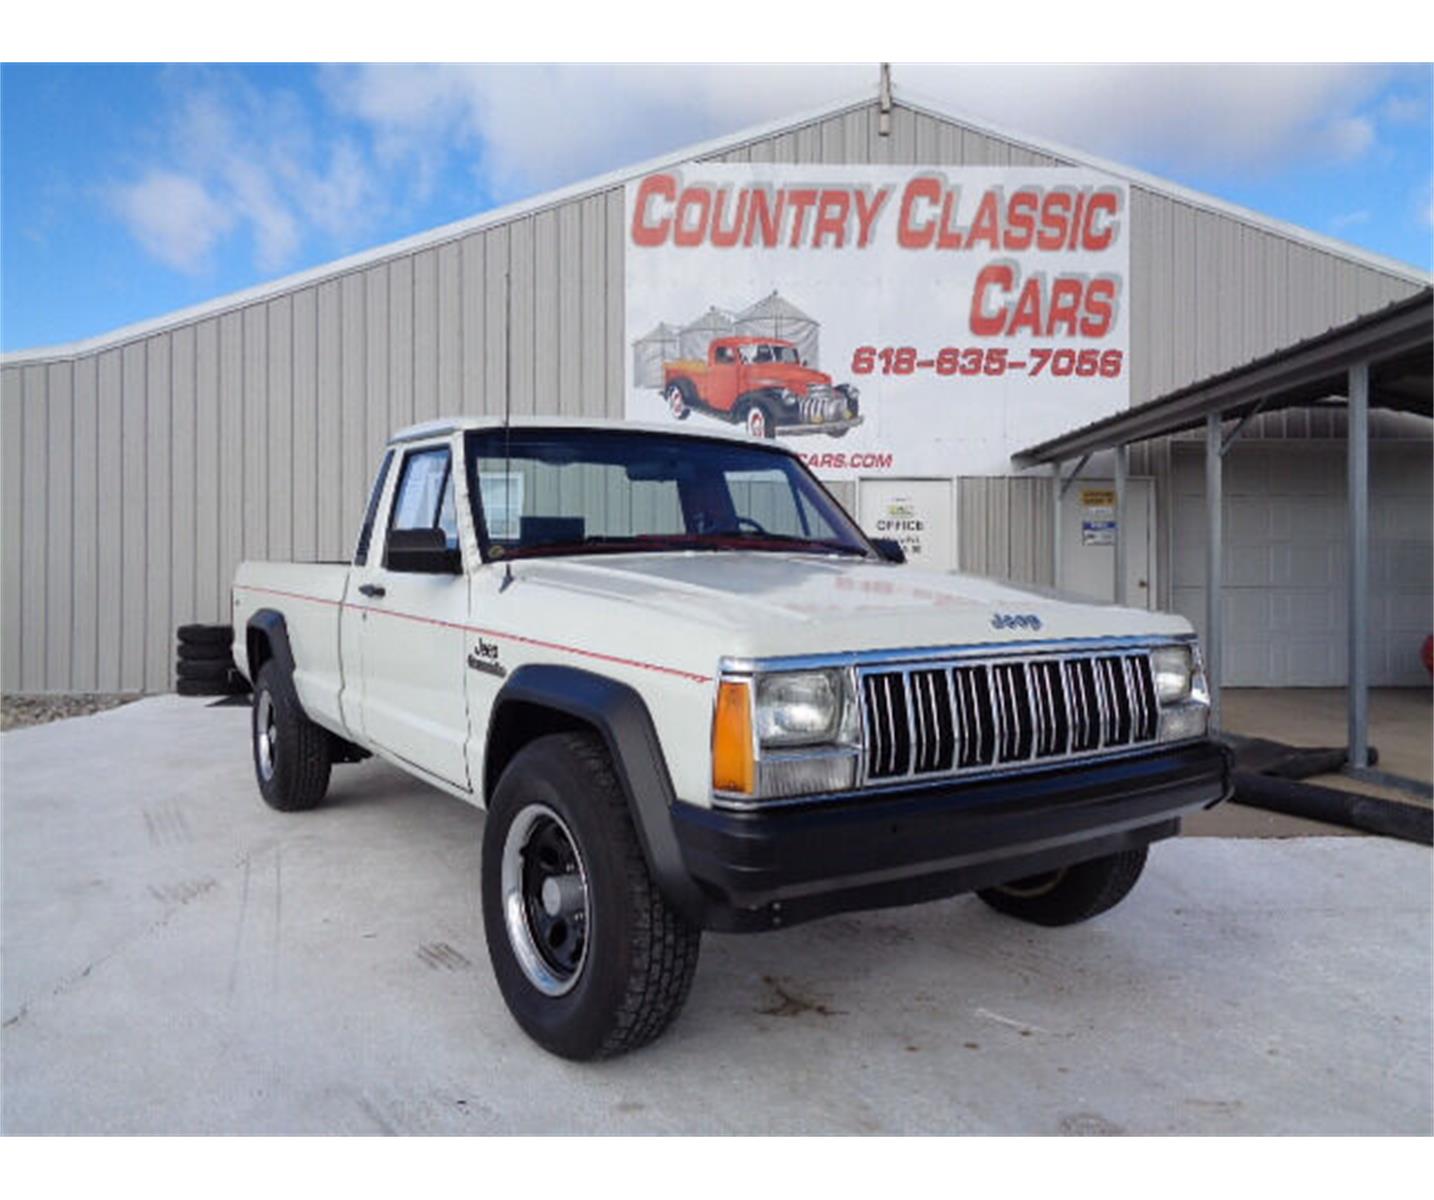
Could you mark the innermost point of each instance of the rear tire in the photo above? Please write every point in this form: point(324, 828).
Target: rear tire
point(1070, 894)
point(291, 753)
point(677, 402)
point(591, 960)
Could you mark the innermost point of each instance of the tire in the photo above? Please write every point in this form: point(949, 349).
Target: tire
point(1071, 894)
point(759, 421)
point(205, 652)
point(677, 402)
point(559, 805)
point(838, 433)
point(206, 635)
point(232, 684)
point(291, 753)
point(205, 668)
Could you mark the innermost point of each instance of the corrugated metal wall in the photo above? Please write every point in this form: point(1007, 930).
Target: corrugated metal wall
point(135, 478)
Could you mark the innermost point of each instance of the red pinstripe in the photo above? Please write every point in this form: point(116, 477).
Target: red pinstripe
point(498, 633)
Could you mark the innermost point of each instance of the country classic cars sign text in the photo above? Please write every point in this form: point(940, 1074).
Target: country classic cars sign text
point(938, 319)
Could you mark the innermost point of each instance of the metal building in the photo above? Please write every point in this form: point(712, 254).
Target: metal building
point(141, 466)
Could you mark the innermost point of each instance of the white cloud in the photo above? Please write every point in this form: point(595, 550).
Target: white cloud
point(1349, 137)
point(541, 126)
point(262, 168)
point(1345, 220)
point(173, 217)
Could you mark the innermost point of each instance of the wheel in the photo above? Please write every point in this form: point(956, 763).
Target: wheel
point(677, 402)
point(590, 959)
point(1070, 894)
point(838, 433)
point(204, 668)
point(760, 423)
point(206, 635)
point(291, 753)
point(205, 652)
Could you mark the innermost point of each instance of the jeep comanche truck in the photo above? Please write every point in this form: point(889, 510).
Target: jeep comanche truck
point(763, 385)
point(691, 694)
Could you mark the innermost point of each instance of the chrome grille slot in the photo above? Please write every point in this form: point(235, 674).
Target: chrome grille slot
point(976, 729)
point(1013, 710)
point(935, 719)
point(931, 706)
point(888, 725)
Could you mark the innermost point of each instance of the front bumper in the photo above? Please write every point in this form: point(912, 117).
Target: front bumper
point(763, 870)
point(819, 427)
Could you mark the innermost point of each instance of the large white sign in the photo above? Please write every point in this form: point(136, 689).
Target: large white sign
point(897, 321)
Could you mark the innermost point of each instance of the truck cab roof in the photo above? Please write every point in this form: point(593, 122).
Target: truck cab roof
point(443, 426)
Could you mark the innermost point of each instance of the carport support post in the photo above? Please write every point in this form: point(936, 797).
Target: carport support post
point(1121, 543)
point(1214, 563)
point(1056, 491)
point(1358, 675)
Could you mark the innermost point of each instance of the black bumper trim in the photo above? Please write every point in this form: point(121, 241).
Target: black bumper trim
point(761, 870)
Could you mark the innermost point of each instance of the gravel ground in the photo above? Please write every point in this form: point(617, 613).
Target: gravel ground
point(16, 712)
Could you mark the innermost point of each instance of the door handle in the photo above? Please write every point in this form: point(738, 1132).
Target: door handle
point(373, 589)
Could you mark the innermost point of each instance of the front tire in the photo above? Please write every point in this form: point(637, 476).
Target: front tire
point(291, 753)
point(591, 960)
point(1070, 894)
point(759, 422)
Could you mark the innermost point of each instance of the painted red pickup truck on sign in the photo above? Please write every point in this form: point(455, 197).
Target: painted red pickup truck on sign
point(763, 384)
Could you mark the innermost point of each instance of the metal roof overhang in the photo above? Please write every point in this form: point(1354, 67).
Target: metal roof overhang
point(1396, 341)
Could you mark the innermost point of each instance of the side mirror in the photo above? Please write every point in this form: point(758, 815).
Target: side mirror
point(421, 552)
point(889, 549)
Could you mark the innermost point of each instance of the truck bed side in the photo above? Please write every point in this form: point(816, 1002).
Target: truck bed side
point(310, 598)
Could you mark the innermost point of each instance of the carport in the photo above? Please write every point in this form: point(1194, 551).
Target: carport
point(1381, 360)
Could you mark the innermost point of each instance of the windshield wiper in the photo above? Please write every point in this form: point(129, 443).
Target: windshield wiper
point(793, 542)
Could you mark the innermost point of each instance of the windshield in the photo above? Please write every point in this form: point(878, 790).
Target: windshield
point(544, 492)
point(764, 353)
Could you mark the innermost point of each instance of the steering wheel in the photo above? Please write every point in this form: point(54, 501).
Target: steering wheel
point(755, 525)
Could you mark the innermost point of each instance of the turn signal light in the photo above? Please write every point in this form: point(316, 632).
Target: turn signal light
point(734, 768)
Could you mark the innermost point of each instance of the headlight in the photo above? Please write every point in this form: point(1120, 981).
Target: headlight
point(785, 734)
point(1180, 689)
point(799, 708)
point(1174, 671)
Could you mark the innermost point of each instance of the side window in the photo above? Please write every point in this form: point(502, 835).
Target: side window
point(366, 533)
point(424, 499)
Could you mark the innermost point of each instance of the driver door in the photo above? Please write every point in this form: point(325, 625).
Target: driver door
point(413, 632)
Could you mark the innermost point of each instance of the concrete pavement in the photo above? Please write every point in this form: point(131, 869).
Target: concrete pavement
point(179, 959)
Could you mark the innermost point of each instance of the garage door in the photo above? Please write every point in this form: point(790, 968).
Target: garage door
point(1285, 545)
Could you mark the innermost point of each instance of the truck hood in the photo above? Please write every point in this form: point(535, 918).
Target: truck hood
point(709, 605)
point(786, 375)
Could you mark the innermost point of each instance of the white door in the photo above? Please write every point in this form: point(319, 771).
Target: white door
point(1088, 541)
point(412, 630)
point(918, 513)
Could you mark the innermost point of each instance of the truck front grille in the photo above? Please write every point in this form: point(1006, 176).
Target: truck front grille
point(944, 719)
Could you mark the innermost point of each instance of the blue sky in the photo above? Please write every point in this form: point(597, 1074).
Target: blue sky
point(129, 191)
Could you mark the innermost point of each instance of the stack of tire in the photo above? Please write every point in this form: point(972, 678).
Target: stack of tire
point(205, 666)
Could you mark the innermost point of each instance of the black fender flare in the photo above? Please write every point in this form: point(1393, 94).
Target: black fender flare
point(270, 622)
point(621, 718)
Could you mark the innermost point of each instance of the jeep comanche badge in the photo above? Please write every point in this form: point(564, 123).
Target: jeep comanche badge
point(691, 694)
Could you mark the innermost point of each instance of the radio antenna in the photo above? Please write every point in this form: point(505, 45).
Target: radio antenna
point(507, 418)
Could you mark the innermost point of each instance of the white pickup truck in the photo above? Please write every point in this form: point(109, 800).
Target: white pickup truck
point(691, 694)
